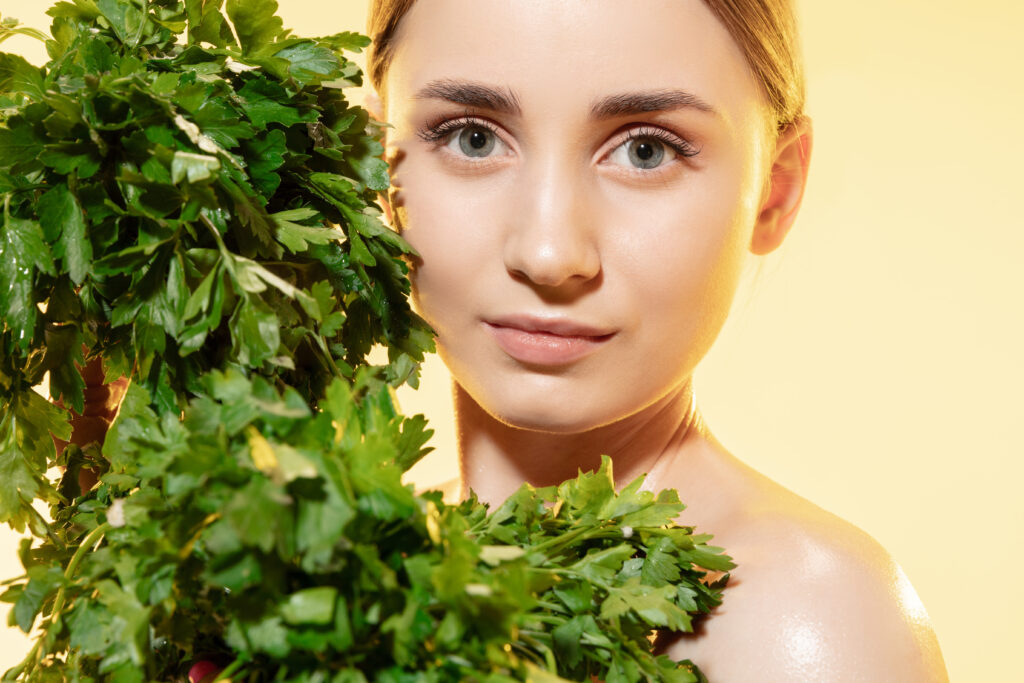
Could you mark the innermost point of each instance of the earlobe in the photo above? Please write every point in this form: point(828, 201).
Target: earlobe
point(374, 105)
point(784, 187)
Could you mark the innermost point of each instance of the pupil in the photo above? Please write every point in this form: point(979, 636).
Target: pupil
point(646, 153)
point(476, 142)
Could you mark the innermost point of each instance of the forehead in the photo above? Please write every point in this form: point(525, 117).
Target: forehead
point(565, 54)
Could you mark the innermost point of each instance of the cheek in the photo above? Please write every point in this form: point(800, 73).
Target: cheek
point(452, 231)
point(682, 264)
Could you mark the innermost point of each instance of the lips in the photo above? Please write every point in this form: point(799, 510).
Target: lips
point(547, 341)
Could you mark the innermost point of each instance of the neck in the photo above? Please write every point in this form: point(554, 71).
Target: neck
point(496, 458)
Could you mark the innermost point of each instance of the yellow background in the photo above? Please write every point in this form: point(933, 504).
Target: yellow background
point(874, 367)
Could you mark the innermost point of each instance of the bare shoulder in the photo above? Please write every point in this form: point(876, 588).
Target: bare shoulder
point(813, 598)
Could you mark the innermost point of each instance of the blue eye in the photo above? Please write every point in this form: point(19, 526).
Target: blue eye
point(649, 148)
point(476, 141)
point(646, 154)
point(476, 138)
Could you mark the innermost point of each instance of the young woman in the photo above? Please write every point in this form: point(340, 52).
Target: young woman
point(583, 181)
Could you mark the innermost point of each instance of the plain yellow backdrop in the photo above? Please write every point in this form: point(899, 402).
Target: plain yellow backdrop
point(874, 366)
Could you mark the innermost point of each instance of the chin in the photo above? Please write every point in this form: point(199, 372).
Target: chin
point(550, 413)
point(545, 423)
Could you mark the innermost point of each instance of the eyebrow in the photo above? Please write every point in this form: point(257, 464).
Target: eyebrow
point(472, 94)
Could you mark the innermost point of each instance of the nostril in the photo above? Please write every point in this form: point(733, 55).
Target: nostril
point(552, 263)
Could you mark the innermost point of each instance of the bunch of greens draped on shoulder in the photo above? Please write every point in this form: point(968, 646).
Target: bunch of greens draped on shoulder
point(188, 195)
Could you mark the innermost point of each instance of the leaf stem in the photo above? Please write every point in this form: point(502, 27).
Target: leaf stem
point(21, 29)
point(562, 539)
point(230, 670)
point(76, 559)
point(49, 531)
point(322, 346)
point(35, 656)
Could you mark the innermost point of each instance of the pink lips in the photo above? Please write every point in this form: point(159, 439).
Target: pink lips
point(546, 341)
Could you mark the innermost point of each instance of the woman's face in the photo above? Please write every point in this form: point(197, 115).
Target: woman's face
point(581, 180)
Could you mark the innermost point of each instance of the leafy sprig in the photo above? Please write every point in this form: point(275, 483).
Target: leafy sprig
point(179, 208)
point(281, 539)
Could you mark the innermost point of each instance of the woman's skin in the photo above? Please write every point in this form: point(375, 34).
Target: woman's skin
point(576, 278)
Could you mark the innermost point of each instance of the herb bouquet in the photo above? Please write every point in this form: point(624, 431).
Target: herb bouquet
point(188, 195)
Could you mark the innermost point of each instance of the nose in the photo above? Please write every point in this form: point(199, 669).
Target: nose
point(552, 238)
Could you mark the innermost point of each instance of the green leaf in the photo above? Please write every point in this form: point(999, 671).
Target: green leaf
point(369, 167)
point(18, 76)
point(127, 20)
point(347, 40)
point(360, 254)
point(37, 420)
point(63, 350)
point(236, 575)
point(220, 121)
point(82, 10)
point(496, 554)
point(23, 252)
point(656, 606)
point(255, 22)
point(18, 143)
point(64, 224)
point(69, 157)
point(264, 155)
point(297, 238)
point(207, 24)
point(577, 595)
point(199, 300)
point(602, 565)
point(566, 639)
point(43, 583)
point(268, 635)
point(310, 63)
point(660, 566)
point(590, 493)
point(310, 606)
point(18, 480)
point(255, 334)
point(194, 167)
point(265, 102)
point(255, 513)
point(130, 628)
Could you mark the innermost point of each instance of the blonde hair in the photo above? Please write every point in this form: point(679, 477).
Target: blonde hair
point(764, 30)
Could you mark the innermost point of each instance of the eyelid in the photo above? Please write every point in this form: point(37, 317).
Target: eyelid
point(441, 129)
point(678, 144)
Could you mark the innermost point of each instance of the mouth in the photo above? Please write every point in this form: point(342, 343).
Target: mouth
point(547, 341)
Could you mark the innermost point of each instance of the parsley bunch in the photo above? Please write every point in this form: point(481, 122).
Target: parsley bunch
point(188, 195)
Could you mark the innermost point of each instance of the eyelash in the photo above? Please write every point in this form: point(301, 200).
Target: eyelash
point(437, 132)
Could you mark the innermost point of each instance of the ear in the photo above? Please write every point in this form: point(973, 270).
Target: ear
point(784, 188)
point(373, 104)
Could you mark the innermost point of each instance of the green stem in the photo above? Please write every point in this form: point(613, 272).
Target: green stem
point(549, 656)
point(22, 30)
point(232, 668)
point(76, 559)
point(49, 532)
point(322, 346)
point(36, 655)
point(563, 539)
point(216, 236)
